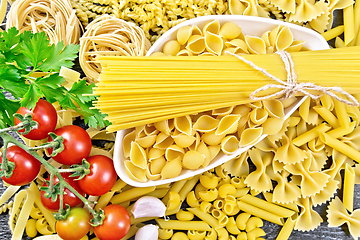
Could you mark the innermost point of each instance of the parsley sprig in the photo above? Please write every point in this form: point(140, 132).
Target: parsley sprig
point(22, 54)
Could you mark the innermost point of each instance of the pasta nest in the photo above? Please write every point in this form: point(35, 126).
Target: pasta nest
point(108, 35)
point(56, 18)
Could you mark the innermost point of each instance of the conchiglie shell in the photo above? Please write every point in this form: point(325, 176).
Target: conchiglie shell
point(243, 120)
point(272, 125)
point(236, 7)
point(184, 124)
point(193, 160)
point(213, 43)
point(146, 141)
point(155, 153)
point(255, 45)
point(165, 126)
point(205, 123)
point(183, 140)
point(257, 104)
point(284, 39)
point(273, 35)
point(126, 144)
point(163, 141)
point(250, 135)
point(212, 27)
point(288, 102)
point(196, 143)
point(266, 37)
point(258, 116)
point(138, 155)
point(156, 165)
point(296, 46)
point(228, 124)
point(214, 151)
point(134, 172)
point(171, 169)
point(183, 34)
point(233, 50)
point(174, 152)
point(229, 30)
point(275, 108)
point(229, 144)
point(171, 48)
point(211, 138)
point(150, 129)
point(184, 52)
point(150, 176)
point(241, 110)
point(196, 44)
point(140, 131)
point(222, 111)
point(203, 149)
point(238, 43)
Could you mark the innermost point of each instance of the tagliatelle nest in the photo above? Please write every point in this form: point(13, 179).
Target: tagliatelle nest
point(110, 36)
point(55, 17)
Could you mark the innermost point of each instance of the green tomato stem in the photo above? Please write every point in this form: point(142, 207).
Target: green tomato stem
point(4, 163)
point(13, 128)
point(51, 169)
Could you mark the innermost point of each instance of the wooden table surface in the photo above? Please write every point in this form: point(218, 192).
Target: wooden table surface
point(271, 230)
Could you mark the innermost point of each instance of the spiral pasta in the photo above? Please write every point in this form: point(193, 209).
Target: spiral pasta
point(56, 18)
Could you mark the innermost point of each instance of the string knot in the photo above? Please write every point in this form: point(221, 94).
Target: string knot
point(291, 86)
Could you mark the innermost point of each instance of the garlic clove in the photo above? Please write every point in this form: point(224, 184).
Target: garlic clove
point(148, 206)
point(147, 232)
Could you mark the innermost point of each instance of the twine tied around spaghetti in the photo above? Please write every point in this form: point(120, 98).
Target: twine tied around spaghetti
point(291, 86)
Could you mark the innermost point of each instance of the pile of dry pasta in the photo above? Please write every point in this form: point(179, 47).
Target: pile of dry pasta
point(310, 159)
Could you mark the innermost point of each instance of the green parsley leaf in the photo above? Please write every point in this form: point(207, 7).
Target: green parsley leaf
point(11, 80)
point(60, 56)
point(31, 97)
point(7, 109)
point(36, 49)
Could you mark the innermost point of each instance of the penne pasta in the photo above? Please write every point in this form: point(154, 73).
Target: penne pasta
point(183, 225)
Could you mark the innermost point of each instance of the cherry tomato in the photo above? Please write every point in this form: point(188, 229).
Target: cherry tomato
point(116, 223)
point(77, 145)
point(69, 197)
point(101, 178)
point(26, 166)
point(45, 115)
point(75, 226)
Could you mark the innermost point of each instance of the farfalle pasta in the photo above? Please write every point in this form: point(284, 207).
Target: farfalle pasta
point(338, 215)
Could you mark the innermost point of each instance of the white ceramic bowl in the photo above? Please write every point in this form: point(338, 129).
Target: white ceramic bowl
point(254, 26)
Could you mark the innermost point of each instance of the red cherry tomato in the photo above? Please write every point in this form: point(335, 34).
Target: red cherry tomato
point(77, 145)
point(101, 178)
point(75, 226)
point(116, 223)
point(45, 115)
point(26, 166)
point(69, 197)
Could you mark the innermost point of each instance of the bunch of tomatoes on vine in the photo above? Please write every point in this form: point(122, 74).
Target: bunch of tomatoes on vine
point(64, 190)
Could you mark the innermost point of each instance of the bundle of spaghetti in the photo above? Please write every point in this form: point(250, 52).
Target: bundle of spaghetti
point(141, 90)
point(55, 17)
point(110, 36)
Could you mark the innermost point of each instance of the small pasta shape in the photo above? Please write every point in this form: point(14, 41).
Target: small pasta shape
point(193, 159)
point(171, 169)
